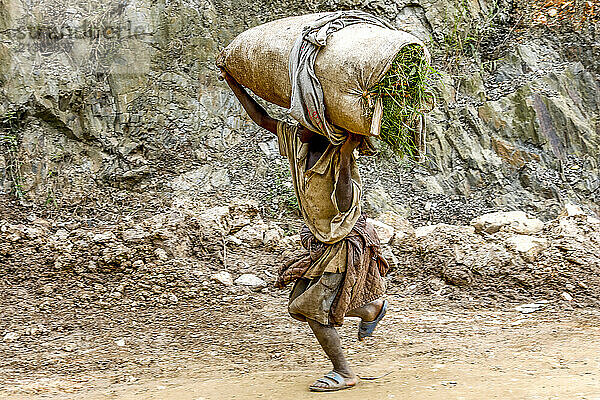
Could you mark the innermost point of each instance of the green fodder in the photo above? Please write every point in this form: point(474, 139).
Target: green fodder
point(405, 97)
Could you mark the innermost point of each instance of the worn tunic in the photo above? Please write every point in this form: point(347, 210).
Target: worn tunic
point(315, 191)
point(342, 268)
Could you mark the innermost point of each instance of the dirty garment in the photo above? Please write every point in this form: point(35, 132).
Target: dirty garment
point(307, 99)
point(315, 188)
point(360, 283)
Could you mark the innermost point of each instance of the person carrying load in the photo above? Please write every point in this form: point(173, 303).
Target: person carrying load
point(341, 273)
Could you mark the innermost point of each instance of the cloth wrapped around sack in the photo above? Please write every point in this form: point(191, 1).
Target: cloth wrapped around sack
point(354, 59)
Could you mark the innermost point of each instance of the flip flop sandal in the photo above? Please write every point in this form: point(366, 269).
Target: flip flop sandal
point(365, 329)
point(333, 380)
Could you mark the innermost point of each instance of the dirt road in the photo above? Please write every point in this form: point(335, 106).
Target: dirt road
point(251, 350)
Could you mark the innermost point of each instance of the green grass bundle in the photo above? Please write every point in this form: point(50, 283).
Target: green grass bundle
point(405, 97)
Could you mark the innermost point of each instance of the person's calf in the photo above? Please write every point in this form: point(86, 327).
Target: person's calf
point(329, 340)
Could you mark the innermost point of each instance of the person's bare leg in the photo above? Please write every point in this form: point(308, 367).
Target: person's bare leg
point(367, 312)
point(329, 340)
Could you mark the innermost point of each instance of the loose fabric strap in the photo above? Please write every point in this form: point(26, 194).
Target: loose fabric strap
point(307, 100)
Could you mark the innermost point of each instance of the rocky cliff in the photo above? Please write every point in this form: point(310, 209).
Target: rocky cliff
point(114, 108)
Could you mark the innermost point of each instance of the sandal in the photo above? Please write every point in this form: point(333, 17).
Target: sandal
point(333, 380)
point(365, 329)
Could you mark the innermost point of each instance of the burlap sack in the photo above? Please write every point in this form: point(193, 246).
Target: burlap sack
point(354, 59)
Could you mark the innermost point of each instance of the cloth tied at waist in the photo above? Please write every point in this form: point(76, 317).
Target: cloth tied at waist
point(365, 268)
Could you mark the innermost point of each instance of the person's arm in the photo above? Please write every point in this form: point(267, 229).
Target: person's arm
point(256, 112)
point(344, 187)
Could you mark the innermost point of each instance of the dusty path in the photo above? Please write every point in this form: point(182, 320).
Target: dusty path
point(252, 350)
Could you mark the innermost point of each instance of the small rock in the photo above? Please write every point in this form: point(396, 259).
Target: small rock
point(35, 330)
point(120, 342)
point(173, 298)
point(61, 234)
point(572, 210)
point(250, 280)
point(70, 347)
point(566, 296)
point(384, 231)
point(458, 274)
point(223, 278)
point(11, 336)
point(272, 237)
point(161, 254)
point(531, 307)
point(252, 235)
point(233, 240)
point(104, 237)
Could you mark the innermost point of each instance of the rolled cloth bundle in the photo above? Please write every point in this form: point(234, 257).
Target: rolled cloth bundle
point(354, 60)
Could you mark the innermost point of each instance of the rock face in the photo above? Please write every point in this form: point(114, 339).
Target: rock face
point(120, 101)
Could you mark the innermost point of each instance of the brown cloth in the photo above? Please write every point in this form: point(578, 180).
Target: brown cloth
point(365, 268)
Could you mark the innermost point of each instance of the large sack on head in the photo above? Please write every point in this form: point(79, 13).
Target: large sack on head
point(354, 60)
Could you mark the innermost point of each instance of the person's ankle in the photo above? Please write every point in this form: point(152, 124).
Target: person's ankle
point(346, 374)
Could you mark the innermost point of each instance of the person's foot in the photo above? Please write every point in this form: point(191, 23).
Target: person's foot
point(333, 381)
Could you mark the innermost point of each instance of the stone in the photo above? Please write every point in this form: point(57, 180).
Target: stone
point(173, 298)
point(35, 330)
point(218, 216)
point(250, 280)
point(252, 235)
point(11, 336)
point(244, 212)
point(384, 231)
point(531, 307)
point(458, 274)
point(512, 221)
point(388, 254)
point(61, 234)
point(120, 342)
point(223, 277)
point(104, 237)
point(161, 254)
point(272, 237)
point(70, 347)
point(566, 296)
point(572, 210)
point(233, 240)
point(403, 229)
point(528, 246)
